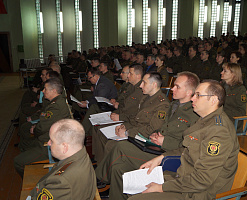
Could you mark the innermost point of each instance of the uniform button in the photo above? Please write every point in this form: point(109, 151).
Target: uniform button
point(162, 131)
point(137, 118)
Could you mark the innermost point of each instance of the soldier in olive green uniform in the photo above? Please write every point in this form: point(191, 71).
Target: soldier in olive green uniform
point(73, 176)
point(192, 61)
point(204, 68)
point(152, 113)
point(209, 160)
point(33, 137)
point(235, 103)
point(126, 156)
point(124, 113)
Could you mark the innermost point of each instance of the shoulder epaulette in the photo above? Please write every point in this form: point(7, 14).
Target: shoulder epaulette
point(63, 169)
point(161, 98)
point(218, 120)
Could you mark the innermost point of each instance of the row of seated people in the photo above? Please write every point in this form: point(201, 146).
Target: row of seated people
point(151, 111)
point(211, 145)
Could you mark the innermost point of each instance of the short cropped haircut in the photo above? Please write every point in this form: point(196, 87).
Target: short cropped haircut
point(207, 52)
point(216, 89)
point(94, 71)
point(192, 80)
point(53, 74)
point(151, 56)
point(179, 49)
point(55, 83)
point(237, 73)
point(96, 59)
point(138, 69)
point(222, 53)
point(105, 64)
point(70, 131)
point(155, 77)
point(193, 47)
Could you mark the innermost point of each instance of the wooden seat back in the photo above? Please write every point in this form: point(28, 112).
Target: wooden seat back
point(240, 178)
point(241, 175)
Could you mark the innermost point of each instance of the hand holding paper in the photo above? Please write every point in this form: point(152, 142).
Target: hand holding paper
point(137, 181)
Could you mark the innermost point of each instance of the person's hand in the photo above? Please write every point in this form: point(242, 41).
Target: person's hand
point(34, 104)
point(29, 119)
point(169, 69)
point(116, 105)
point(92, 88)
point(32, 129)
point(120, 130)
point(114, 117)
point(153, 187)
point(157, 138)
point(83, 104)
point(35, 89)
point(151, 164)
point(113, 101)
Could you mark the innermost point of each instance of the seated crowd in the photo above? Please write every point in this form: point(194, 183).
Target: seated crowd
point(208, 91)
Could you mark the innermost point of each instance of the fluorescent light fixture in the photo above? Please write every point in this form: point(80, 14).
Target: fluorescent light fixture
point(218, 13)
point(149, 16)
point(205, 14)
point(61, 22)
point(41, 22)
point(133, 18)
point(80, 20)
point(230, 14)
point(164, 16)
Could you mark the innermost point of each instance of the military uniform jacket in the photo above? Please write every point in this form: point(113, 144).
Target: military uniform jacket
point(152, 113)
point(191, 64)
point(235, 103)
point(178, 63)
point(56, 110)
point(209, 160)
point(72, 179)
point(183, 118)
point(104, 88)
point(164, 74)
point(203, 70)
point(108, 75)
point(131, 103)
point(123, 92)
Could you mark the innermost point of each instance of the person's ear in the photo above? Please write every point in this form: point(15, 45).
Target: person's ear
point(65, 147)
point(214, 100)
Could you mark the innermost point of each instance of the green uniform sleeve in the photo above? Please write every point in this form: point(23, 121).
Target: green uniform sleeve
point(213, 152)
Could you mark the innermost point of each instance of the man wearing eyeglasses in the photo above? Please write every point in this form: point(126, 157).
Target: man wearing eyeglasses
point(169, 137)
point(209, 156)
point(103, 87)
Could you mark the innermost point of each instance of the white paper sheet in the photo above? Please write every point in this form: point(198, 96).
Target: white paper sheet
point(109, 132)
point(103, 99)
point(102, 118)
point(75, 100)
point(118, 66)
point(135, 182)
point(85, 90)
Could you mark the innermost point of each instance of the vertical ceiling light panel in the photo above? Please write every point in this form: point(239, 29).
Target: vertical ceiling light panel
point(160, 21)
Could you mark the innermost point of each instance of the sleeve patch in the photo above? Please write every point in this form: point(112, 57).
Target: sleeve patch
point(243, 98)
point(213, 148)
point(48, 114)
point(45, 195)
point(162, 115)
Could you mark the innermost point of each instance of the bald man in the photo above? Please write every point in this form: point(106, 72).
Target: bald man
point(73, 176)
